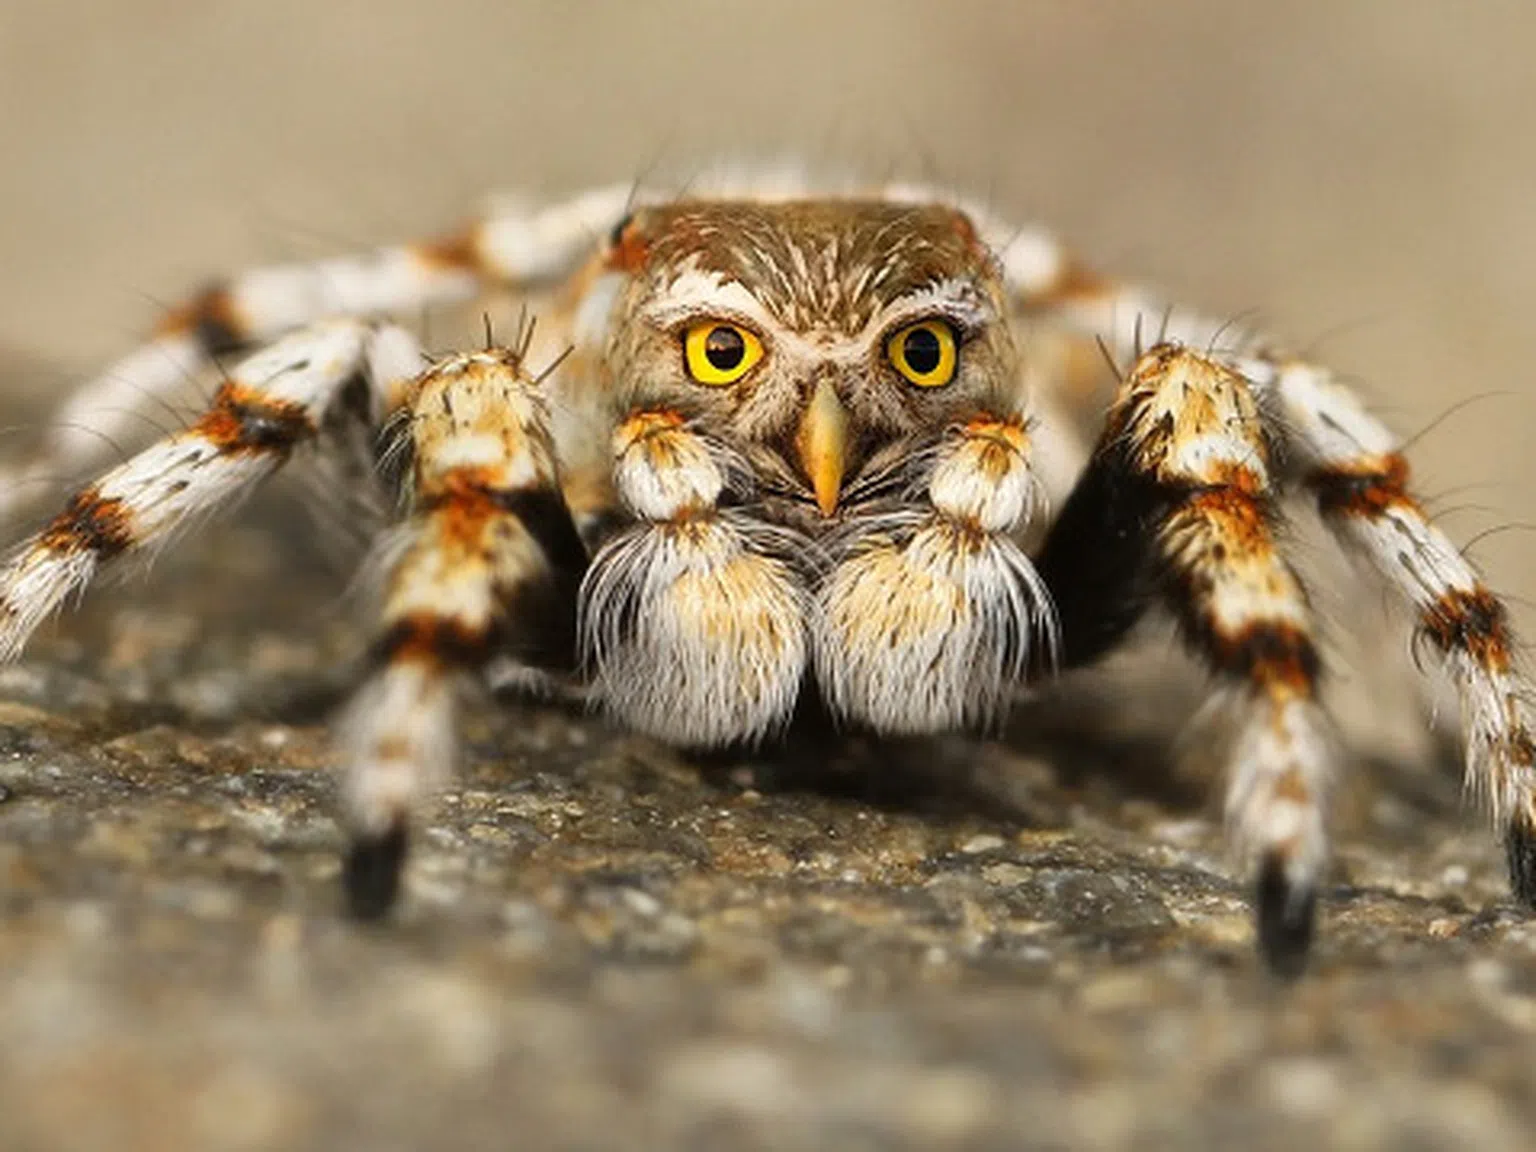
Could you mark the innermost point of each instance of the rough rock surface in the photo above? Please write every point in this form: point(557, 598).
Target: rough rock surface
point(1026, 941)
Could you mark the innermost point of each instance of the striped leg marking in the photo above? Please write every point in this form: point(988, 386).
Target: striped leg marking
point(1352, 465)
point(1351, 462)
point(271, 403)
point(1180, 491)
point(1192, 427)
point(513, 246)
point(488, 564)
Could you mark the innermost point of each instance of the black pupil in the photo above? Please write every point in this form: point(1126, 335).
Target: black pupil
point(724, 348)
point(922, 351)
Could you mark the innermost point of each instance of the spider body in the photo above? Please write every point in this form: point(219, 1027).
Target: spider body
point(766, 446)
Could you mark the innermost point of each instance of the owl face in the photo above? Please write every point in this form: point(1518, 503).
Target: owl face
point(821, 342)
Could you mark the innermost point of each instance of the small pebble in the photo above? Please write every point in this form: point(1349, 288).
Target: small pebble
point(1444, 927)
point(984, 842)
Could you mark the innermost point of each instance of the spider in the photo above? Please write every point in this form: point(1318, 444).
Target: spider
point(778, 444)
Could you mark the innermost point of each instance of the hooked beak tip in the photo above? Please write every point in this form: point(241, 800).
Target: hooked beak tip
point(826, 499)
point(823, 446)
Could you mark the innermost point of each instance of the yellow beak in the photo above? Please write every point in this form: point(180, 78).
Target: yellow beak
point(822, 442)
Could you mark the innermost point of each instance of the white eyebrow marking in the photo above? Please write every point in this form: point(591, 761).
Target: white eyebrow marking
point(693, 292)
point(953, 297)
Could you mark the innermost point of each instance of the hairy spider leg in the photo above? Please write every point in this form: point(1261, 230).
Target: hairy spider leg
point(1178, 504)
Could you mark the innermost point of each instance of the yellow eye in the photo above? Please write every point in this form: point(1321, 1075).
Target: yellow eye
point(924, 353)
point(720, 353)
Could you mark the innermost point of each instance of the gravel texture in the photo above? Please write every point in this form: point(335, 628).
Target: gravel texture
point(1026, 941)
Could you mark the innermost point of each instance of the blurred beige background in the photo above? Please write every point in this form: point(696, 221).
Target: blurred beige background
point(1360, 173)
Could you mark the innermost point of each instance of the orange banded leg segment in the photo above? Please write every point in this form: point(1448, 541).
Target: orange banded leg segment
point(488, 565)
point(271, 403)
point(513, 246)
point(693, 619)
point(1177, 504)
point(1351, 462)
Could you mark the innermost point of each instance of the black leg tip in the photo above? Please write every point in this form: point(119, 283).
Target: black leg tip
point(371, 874)
point(1520, 852)
point(1287, 917)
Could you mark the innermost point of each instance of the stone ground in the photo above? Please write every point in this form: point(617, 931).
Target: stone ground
point(1028, 941)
